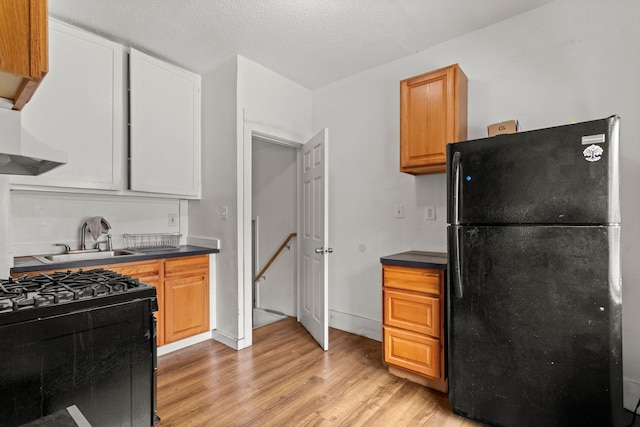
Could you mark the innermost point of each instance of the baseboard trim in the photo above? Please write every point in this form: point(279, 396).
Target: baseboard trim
point(178, 345)
point(355, 325)
point(234, 343)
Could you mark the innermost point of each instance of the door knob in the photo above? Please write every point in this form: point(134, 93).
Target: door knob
point(321, 250)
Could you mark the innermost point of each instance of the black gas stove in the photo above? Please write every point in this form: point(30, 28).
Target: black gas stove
point(31, 297)
point(84, 338)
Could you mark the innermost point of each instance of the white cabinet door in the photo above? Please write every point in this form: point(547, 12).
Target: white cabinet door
point(164, 127)
point(78, 109)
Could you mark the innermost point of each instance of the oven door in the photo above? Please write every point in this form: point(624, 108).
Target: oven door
point(97, 359)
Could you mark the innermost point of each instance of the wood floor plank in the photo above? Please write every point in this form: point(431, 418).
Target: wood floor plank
point(286, 379)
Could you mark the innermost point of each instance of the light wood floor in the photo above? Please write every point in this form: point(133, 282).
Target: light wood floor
point(285, 379)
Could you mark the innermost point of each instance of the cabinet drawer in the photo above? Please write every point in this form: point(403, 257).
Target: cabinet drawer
point(140, 269)
point(412, 351)
point(415, 312)
point(198, 264)
point(412, 279)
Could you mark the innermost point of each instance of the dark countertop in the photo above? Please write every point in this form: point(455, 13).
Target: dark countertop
point(28, 263)
point(417, 259)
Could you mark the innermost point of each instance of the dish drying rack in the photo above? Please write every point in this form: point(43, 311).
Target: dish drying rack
point(152, 241)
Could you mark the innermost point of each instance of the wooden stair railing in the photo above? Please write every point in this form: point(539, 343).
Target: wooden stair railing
point(273, 258)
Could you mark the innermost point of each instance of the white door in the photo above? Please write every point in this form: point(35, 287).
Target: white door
point(314, 231)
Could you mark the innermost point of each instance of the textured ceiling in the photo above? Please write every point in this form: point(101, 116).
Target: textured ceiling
point(312, 42)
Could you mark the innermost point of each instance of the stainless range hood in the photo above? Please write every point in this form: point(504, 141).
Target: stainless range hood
point(20, 152)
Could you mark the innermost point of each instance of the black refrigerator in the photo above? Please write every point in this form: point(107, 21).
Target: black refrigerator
point(534, 289)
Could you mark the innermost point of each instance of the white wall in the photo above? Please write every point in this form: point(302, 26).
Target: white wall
point(275, 104)
point(238, 97)
point(568, 60)
point(270, 104)
point(219, 140)
point(274, 204)
point(39, 220)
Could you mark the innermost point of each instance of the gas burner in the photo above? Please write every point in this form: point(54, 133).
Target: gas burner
point(62, 287)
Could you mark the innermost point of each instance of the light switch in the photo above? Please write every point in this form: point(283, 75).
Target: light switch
point(224, 213)
point(399, 211)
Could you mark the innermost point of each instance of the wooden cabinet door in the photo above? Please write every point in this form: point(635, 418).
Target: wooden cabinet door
point(165, 127)
point(23, 49)
point(78, 109)
point(432, 114)
point(412, 351)
point(187, 307)
point(412, 311)
point(186, 291)
point(149, 272)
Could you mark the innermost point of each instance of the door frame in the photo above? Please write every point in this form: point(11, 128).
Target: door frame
point(253, 126)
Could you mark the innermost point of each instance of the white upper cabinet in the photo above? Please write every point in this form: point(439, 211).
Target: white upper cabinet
point(164, 141)
point(79, 109)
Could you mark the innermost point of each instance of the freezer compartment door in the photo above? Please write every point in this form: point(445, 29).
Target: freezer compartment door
point(561, 175)
point(535, 331)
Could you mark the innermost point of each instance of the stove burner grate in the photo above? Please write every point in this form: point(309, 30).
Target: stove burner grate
point(61, 287)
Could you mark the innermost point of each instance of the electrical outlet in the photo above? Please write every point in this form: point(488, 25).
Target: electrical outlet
point(399, 211)
point(173, 220)
point(430, 213)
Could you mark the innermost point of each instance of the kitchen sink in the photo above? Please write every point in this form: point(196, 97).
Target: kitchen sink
point(83, 255)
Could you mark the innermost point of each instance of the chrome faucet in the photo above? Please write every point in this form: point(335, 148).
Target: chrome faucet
point(83, 234)
point(108, 242)
point(67, 248)
point(82, 237)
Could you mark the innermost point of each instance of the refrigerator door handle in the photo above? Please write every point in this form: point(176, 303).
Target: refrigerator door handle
point(455, 164)
point(455, 225)
point(457, 261)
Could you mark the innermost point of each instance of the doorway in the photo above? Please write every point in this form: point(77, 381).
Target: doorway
point(311, 304)
point(274, 219)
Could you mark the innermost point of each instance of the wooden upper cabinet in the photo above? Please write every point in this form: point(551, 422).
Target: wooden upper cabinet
point(433, 113)
point(23, 49)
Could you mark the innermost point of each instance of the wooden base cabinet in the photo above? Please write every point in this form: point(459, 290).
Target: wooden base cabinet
point(149, 272)
point(182, 288)
point(433, 113)
point(186, 290)
point(413, 324)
